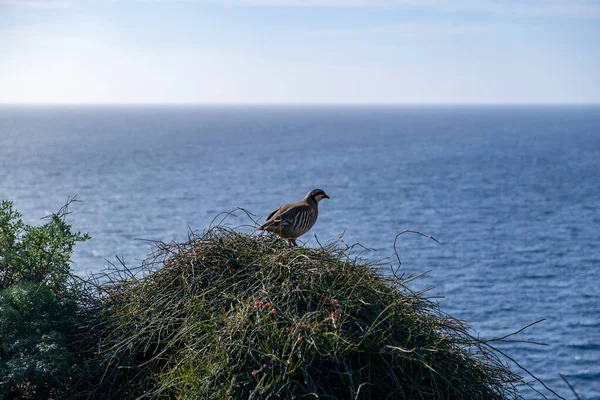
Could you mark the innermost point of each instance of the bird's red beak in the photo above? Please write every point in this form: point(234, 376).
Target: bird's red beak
point(325, 196)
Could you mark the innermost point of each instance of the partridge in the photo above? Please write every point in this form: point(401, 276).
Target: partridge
point(291, 221)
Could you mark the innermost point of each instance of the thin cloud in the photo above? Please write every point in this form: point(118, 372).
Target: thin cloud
point(37, 3)
point(588, 9)
point(563, 8)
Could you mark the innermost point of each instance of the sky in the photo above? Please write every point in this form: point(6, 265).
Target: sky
point(300, 51)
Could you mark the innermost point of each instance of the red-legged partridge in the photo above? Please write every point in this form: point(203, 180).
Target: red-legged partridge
point(294, 220)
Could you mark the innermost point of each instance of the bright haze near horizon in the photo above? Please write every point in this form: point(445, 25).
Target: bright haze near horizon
point(299, 51)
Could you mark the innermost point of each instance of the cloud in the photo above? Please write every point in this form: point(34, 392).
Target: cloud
point(564, 8)
point(38, 3)
point(588, 9)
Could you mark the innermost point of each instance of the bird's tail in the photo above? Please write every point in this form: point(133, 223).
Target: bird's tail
point(273, 225)
point(261, 228)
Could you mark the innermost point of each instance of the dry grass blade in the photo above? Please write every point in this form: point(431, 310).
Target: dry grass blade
point(570, 386)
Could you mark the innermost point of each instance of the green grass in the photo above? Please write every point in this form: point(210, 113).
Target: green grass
point(235, 316)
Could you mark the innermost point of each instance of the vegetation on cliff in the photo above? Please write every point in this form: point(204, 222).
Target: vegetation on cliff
point(232, 315)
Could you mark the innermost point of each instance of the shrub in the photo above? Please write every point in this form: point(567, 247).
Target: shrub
point(38, 312)
point(34, 329)
point(40, 254)
point(234, 316)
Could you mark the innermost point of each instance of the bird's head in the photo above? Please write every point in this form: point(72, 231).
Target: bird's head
point(317, 195)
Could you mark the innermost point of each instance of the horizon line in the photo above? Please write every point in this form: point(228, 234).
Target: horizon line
point(298, 104)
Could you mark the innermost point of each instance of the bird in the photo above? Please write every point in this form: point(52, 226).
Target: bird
point(291, 221)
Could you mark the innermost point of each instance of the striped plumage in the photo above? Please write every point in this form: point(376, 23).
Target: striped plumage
point(294, 220)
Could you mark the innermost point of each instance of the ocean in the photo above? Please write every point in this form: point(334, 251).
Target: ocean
point(511, 192)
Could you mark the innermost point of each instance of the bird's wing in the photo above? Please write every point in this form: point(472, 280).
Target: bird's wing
point(291, 211)
point(275, 214)
point(286, 215)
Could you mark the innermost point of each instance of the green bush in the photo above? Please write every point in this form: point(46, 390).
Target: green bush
point(34, 329)
point(40, 254)
point(38, 311)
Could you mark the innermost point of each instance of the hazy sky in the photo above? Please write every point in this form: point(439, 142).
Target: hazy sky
point(300, 51)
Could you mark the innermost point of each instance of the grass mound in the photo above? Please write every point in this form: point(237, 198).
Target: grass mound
point(234, 316)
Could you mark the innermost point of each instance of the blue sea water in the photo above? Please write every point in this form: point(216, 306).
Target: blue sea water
point(512, 194)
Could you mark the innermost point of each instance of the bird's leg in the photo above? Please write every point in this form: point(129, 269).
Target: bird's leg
point(291, 242)
point(295, 243)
